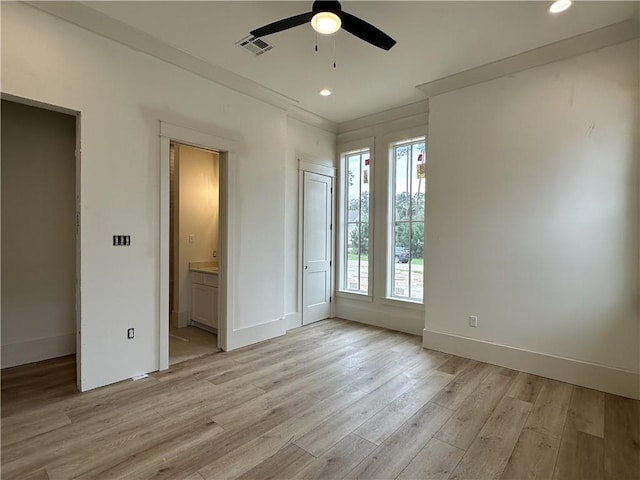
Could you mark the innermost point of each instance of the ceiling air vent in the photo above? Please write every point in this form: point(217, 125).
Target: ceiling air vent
point(255, 45)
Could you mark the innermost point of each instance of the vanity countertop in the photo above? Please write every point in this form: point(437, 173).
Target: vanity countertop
point(205, 270)
point(203, 267)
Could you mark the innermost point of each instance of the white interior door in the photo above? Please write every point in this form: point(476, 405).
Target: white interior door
point(316, 248)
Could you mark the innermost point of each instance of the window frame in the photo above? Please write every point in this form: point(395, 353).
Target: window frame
point(344, 150)
point(411, 138)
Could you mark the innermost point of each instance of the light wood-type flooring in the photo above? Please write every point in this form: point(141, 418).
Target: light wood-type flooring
point(329, 401)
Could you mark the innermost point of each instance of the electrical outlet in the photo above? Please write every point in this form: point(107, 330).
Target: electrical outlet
point(215, 254)
point(130, 333)
point(473, 321)
point(192, 238)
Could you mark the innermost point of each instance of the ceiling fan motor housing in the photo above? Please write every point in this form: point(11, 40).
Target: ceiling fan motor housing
point(326, 6)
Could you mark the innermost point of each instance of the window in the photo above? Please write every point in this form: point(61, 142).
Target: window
point(356, 178)
point(407, 203)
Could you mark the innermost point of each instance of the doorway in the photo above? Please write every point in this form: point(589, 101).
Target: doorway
point(194, 207)
point(226, 149)
point(40, 250)
point(317, 242)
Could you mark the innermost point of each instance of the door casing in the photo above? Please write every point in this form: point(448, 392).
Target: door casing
point(226, 149)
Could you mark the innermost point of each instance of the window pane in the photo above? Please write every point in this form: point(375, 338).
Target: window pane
point(364, 239)
point(401, 184)
point(402, 257)
point(417, 152)
point(417, 182)
point(364, 195)
point(353, 188)
point(407, 202)
point(402, 233)
point(417, 260)
point(417, 240)
point(353, 256)
point(356, 227)
point(353, 236)
point(364, 258)
point(355, 241)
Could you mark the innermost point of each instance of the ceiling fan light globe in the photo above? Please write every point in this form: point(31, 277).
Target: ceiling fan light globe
point(326, 22)
point(559, 6)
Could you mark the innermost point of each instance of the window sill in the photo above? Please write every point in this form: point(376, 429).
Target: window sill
point(412, 304)
point(360, 297)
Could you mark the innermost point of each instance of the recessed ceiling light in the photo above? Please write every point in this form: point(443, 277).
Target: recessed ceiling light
point(326, 22)
point(559, 6)
point(325, 92)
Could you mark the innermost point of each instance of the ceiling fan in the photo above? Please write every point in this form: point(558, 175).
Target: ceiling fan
point(328, 17)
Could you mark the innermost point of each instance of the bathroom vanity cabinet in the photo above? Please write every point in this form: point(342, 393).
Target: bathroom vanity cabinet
point(204, 298)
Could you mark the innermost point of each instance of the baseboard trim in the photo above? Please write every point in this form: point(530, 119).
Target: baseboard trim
point(393, 317)
point(591, 375)
point(293, 321)
point(257, 333)
point(15, 354)
point(182, 319)
point(204, 326)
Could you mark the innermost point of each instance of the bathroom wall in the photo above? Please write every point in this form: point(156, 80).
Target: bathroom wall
point(38, 234)
point(196, 183)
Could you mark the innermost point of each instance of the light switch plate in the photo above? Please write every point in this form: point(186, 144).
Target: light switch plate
point(122, 240)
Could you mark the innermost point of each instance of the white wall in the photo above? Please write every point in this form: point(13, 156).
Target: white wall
point(533, 211)
point(198, 204)
point(310, 145)
point(122, 95)
point(38, 234)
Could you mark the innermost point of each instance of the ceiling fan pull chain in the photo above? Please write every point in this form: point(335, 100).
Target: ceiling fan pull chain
point(334, 52)
point(316, 42)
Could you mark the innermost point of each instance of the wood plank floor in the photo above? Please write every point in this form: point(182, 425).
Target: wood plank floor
point(332, 400)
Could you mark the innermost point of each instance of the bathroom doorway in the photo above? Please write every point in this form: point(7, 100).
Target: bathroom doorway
point(194, 212)
point(226, 149)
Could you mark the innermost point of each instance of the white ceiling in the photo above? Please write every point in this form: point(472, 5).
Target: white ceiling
point(435, 39)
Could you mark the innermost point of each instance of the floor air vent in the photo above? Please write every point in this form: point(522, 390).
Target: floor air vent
point(255, 45)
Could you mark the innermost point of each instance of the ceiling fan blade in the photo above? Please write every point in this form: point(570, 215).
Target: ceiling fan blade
point(366, 31)
point(281, 25)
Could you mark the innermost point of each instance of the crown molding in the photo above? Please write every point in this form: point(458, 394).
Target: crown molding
point(108, 27)
point(553, 52)
point(418, 109)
